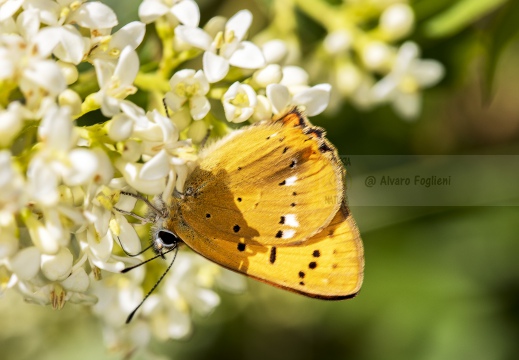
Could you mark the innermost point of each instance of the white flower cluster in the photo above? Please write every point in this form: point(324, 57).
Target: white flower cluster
point(364, 63)
point(60, 182)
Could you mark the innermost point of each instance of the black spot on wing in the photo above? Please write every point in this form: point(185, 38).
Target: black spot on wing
point(241, 247)
point(273, 255)
point(312, 265)
point(324, 147)
point(316, 253)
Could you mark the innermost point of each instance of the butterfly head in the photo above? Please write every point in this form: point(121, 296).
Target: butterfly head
point(164, 241)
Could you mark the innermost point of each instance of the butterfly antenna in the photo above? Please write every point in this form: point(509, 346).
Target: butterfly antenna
point(130, 317)
point(165, 106)
point(132, 255)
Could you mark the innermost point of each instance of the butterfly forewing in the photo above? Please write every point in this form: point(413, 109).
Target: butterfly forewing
point(275, 183)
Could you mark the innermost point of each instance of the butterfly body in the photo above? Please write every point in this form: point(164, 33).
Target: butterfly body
point(268, 201)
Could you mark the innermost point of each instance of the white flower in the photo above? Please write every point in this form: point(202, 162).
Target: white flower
point(270, 74)
point(26, 63)
point(227, 48)
point(12, 187)
point(109, 47)
point(294, 78)
point(397, 21)
point(338, 42)
point(189, 86)
point(275, 51)
point(185, 289)
point(11, 122)
point(313, 99)
point(408, 76)
point(70, 45)
point(263, 110)
point(239, 102)
point(293, 90)
point(377, 56)
point(90, 15)
point(56, 294)
point(116, 81)
point(8, 8)
point(166, 156)
point(9, 240)
point(184, 11)
point(57, 160)
point(348, 78)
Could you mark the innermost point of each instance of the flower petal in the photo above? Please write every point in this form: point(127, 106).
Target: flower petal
point(408, 106)
point(127, 66)
point(128, 235)
point(95, 15)
point(200, 106)
point(194, 36)
point(156, 168)
point(120, 127)
point(239, 23)
point(149, 11)
point(9, 8)
point(83, 167)
point(101, 245)
point(247, 56)
point(130, 35)
point(57, 267)
point(46, 75)
point(187, 12)
point(427, 72)
point(78, 281)
point(215, 67)
point(131, 172)
point(315, 99)
point(174, 101)
point(278, 96)
point(26, 263)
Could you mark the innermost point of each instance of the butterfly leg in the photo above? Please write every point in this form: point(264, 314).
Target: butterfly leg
point(146, 201)
point(143, 220)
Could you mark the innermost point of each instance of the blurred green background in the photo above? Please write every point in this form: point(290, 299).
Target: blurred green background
point(440, 282)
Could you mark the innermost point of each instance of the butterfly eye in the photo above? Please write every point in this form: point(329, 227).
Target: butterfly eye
point(167, 238)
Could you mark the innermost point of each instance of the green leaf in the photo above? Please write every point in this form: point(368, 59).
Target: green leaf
point(504, 29)
point(458, 16)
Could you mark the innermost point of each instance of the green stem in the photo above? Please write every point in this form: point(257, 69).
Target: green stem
point(151, 82)
point(320, 11)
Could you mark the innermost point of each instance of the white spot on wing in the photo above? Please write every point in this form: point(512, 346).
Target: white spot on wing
point(291, 180)
point(287, 234)
point(291, 220)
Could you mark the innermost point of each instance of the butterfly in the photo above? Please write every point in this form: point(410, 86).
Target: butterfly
point(268, 201)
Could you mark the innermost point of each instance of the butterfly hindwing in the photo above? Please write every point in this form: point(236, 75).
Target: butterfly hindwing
point(329, 265)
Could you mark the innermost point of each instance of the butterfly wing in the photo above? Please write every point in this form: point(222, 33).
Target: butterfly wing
point(329, 265)
point(274, 183)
